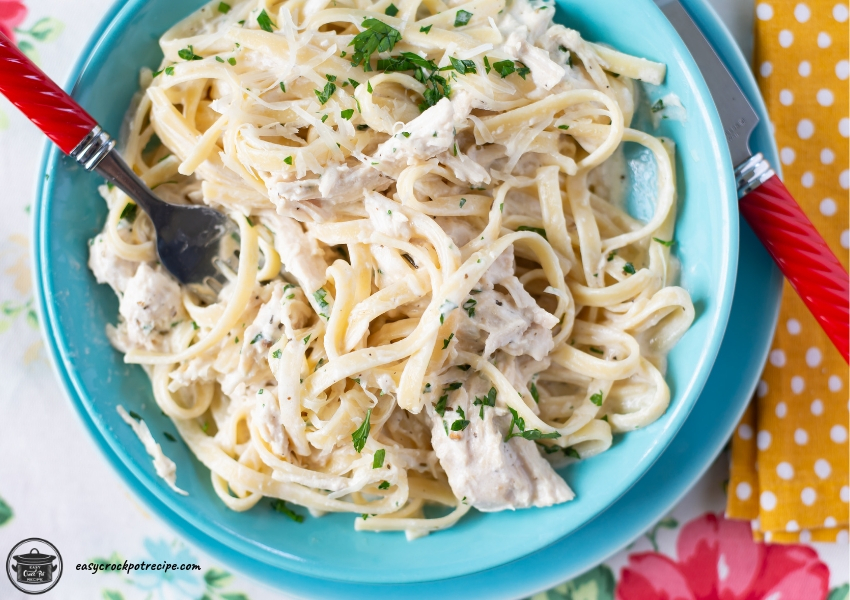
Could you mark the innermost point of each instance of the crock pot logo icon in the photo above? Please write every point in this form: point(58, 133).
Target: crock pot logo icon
point(34, 566)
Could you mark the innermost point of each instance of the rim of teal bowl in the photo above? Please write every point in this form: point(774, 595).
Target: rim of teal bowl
point(687, 396)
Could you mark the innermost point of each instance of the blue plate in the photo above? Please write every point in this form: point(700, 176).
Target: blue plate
point(75, 310)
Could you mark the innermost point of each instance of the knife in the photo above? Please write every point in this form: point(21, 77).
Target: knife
point(763, 200)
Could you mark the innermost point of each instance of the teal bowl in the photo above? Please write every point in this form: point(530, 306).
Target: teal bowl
point(75, 311)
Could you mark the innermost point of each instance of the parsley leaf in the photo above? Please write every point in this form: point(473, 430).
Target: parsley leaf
point(189, 54)
point(486, 66)
point(392, 10)
point(597, 398)
point(288, 160)
point(265, 22)
point(488, 400)
point(462, 423)
point(530, 434)
point(425, 30)
point(281, 507)
point(664, 242)
point(376, 36)
point(629, 268)
point(223, 7)
point(326, 93)
point(469, 307)
point(504, 67)
point(276, 353)
point(130, 211)
point(354, 83)
point(385, 485)
point(359, 437)
point(572, 453)
point(658, 106)
point(440, 408)
point(378, 461)
point(257, 338)
point(462, 17)
point(347, 114)
point(538, 230)
point(447, 340)
point(463, 66)
point(534, 393)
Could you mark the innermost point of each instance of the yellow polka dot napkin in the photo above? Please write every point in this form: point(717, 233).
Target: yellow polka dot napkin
point(789, 472)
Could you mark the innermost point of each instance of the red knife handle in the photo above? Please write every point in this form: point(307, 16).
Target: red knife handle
point(802, 255)
point(41, 100)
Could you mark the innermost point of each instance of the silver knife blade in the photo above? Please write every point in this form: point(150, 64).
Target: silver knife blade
point(736, 114)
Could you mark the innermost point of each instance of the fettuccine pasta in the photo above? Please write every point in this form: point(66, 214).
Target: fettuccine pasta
point(437, 294)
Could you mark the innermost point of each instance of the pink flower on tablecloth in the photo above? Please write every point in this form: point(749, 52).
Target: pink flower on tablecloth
point(718, 560)
point(12, 14)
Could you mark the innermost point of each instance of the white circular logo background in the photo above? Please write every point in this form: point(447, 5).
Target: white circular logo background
point(37, 578)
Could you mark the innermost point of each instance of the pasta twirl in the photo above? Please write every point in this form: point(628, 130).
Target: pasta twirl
point(437, 291)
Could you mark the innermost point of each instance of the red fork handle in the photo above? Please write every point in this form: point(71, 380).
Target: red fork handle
point(803, 257)
point(41, 100)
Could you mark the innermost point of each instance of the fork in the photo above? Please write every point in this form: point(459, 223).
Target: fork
point(191, 240)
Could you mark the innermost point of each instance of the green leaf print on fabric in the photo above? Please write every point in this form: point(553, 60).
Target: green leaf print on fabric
point(46, 29)
point(666, 523)
point(596, 584)
point(112, 595)
point(840, 593)
point(216, 578)
point(5, 512)
point(10, 311)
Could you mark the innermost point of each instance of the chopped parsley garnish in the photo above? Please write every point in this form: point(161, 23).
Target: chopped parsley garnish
point(391, 11)
point(319, 295)
point(204, 427)
point(260, 391)
point(455, 385)
point(282, 87)
point(169, 437)
point(462, 17)
point(486, 66)
point(534, 393)
point(425, 30)
point(385, 485)
point(528, 434)
point(276, 353)
point(359, 437)
point(596, 350)
point(354, 83)
point(134, 415)
point(189, 54)
point(169, 70)
point(264, 21)
point(629, 268)
point(506, 67)
point(376, 36)
point(330, 77)
point(318, 364)
point(463, 66)
point(469, 306)
point(223, 8)
point(195, 326)
point(488, 400)
point(231, 61)
point(288, 160)
point(658, 106)
point(462, 423)
point(549, 449)
point(611, 255)
point(440, 408)
point(445, 309)
point(462, 202)
point(425, 72)
point(219, 59)
point(130, 211)
point(664, 242)
point(307, 339)
point(597, 398)
point(572, 453)
point(324, 118)
point(257, 338)
point(538, 230)
point(564, 127)
point(405, 134)
point(326, 93)
point(369, 86)
point(347, 114)
point(447, 340)
point(281, 507)
point(378, 461)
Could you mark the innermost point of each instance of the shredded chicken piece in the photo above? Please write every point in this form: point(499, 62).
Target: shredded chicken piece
point(107, 266)
point(151, 305)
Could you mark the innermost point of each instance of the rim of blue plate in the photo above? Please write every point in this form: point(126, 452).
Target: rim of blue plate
point(57, 350)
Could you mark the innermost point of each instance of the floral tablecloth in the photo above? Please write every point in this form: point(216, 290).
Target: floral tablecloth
point(55, 484)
